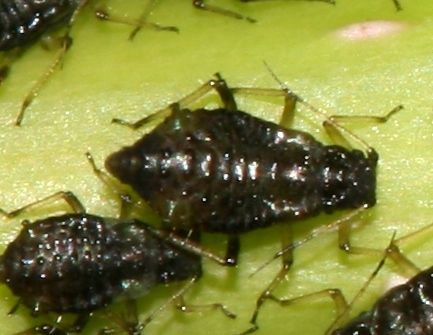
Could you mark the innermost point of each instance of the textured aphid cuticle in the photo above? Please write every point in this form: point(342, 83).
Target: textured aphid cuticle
point(405, 309)
point(250, 172)
point(23, 21)
point(76, 263)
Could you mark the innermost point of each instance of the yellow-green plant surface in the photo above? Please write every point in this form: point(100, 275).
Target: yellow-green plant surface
point(105, 75)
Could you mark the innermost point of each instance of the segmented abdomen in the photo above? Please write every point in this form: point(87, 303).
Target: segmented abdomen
point(22, 21)
point(404, 310)
point(80, 262)
point(225, 171)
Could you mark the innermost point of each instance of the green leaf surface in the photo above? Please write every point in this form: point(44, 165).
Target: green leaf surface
point(105, 76)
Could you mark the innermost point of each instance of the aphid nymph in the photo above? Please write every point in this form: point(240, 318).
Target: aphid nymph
point(225, 171)
point(79, 263)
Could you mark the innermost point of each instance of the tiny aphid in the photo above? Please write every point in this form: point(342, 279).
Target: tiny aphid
point(78, 263)
point(403, 310)
point(225, 171)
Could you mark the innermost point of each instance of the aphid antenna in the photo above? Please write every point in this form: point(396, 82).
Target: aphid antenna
point(330, 121)
point(340, 318)
point(331, 227)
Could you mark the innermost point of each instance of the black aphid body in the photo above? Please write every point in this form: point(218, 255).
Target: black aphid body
point(23, 21)
point(227, 171)
point(77, 263)
point(404, 310)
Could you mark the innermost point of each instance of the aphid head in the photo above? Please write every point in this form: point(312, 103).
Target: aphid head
point(349, 179)
point(125, 165)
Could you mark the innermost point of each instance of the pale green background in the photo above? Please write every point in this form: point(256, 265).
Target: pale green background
point(106, 76)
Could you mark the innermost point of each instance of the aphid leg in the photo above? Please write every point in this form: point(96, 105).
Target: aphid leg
point(140, 23)
point(287, 261)
point(218, 84)
point(15, 307)
point(232, 251)
point(290, 100)
point(334, 129)
point(127, 321)
point(327, 1)
point(188, 245)
point(344, 228)
point(330, 121)
point(186, 308)
point(344, 314)
point(331, 227)
point(338, 298)
point(200, 4)
point(177, 300)
point(407, 266)
point(58, 61)
point(42, 80)
point(66, 196)
point(124, 198)
point(288, 114)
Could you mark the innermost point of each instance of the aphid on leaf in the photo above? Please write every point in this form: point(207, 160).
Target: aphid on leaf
point(405, 309)
point(79, 263)
point(225, 171)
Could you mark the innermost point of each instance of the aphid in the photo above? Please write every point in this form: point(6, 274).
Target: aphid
point(228, 172)
point(24, 21)
point(405, 309)
point(78, 263)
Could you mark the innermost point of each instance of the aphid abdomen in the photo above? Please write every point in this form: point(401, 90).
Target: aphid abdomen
point(56, 264)
point(77, 263)
point(22, 21)
point(148, 259)
point(224, 171)
point(406, 309)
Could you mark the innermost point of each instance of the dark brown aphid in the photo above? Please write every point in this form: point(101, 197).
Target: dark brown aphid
point(78, 263)
point(226, 171)
point(403, 310)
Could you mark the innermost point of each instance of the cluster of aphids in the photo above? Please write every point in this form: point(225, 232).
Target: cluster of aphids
point(202, 171)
